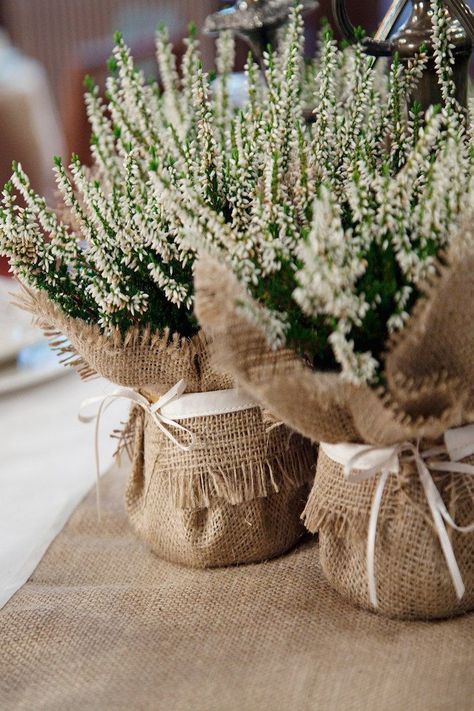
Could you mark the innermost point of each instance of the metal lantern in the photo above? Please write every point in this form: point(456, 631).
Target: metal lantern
point(262, 22)
point(417, 31)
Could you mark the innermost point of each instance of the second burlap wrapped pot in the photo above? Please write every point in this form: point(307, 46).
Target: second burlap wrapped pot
point(429, 392)
point(237, 494)
point(411, 577)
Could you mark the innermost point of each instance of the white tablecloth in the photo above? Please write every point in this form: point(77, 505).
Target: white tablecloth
point(46, 467)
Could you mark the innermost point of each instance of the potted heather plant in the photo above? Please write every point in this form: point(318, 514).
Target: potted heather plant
point(349, 314)
point(109, 275)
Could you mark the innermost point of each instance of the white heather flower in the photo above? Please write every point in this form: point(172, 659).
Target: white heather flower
point(356, 368)
point(330, 268)
point(332, 226)
point(273, 324)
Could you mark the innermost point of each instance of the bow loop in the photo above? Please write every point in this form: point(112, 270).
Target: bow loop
point(173, 394)
point(165, 424)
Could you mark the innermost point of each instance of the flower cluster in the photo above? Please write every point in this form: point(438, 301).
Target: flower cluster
point(338, 225)
point(331, 224)
point(110, 254)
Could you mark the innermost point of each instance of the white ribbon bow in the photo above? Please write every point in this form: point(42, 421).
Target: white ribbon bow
point(363, 462)
point(163, 422)
point(172, 406)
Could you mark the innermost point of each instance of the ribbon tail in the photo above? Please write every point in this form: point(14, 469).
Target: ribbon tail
point(449, 555)
point(432, 496)
point(453, 467)
point(97, 460)
point(163, 423)
point(372, 537)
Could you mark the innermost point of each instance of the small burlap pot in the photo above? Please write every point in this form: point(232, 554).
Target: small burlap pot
point(411, 575)
point(235, 498)
point(428, 390)
point(237, 495)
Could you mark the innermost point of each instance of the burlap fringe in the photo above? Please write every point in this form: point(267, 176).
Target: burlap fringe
point(339, 523)
point(84, 347)
point(68, 355)
point(125, 435)
point(317, 518)
point(48, 317)
point(248, 481)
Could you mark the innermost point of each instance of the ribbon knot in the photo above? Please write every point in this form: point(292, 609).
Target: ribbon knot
point(365, 462)
point(164, 423)
point(172, 406)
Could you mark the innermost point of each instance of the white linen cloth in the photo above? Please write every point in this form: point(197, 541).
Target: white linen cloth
point(46, 468)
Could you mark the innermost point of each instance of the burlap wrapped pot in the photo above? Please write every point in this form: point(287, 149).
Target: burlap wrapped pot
point(429, 388)
point(237, 495)
point(411, 575)
point(236, 498)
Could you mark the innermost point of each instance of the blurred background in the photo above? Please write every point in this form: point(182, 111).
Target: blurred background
point(47, 46)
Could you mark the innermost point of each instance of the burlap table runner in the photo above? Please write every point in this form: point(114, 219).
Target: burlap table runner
point(103, 624)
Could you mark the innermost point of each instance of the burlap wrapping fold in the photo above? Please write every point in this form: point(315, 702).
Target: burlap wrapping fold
point(428, 367)
point(238, 495)
point(429, 389)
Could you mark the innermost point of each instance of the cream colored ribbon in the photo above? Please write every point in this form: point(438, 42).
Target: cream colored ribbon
point(362, 462)
point(172, 406)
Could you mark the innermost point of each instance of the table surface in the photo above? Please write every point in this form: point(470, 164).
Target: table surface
point(104, 624)
point(47, 465)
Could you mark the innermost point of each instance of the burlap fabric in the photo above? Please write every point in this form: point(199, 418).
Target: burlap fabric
point(428, 367)
point(412, 577)
point(429, 389)
point(103, 624)
point(236, 498)
point(238, 495)
point(138, 359)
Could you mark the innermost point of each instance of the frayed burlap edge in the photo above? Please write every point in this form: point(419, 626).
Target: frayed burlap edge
point(247, 482)
point(342, 509)
point(136, 359)
point(322, 406)
point(286, 471)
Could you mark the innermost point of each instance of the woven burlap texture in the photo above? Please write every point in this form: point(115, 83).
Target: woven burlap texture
point(413, 580)
point(429, 389)
point(138, 359)
point(103, 624)
point(238, 495)
point(236, 498)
